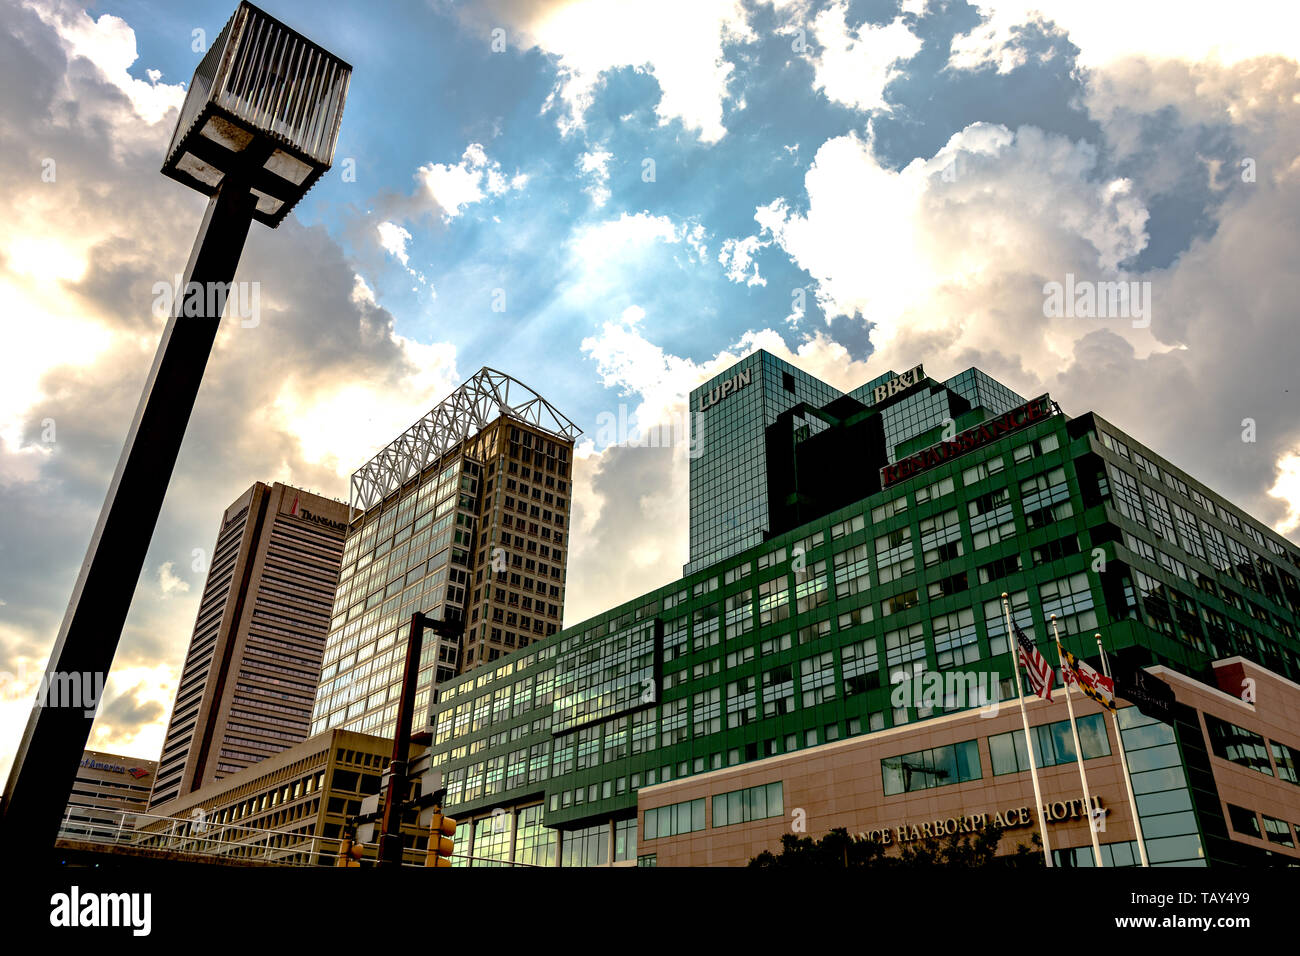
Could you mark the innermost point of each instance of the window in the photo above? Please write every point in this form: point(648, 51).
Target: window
point(905, 652)
point(705, 587)
point(995, 621)
point(625, 840)
point(1241, 746)
point(811, 589)
point(989, 510)
point(817, 679)
point(1000, 568)
point(856, 523)
point(900, 602)
point(1053, 744)
point(588, 846)
point(938, 767)
point(1070, 599)
point(1039, 491)
point(1277, 831)
point(741, 702)
point(740, 613)
point(860, 664)
point(1244, 821)
point(894, 556)
point(941, 537)
point(778, 691)
point(1146, 466)
point(955, 639)
point(1287, 760)
point(707, 711)
point(1188, 534)
point(1050, 551)
point(1125, 494)
point(754, 803)
point(1035, 448)
point(673, 728)
point(1160, 515)
point(946, 587)
point(534, 843)
point(993, 532)
point(850, 619)
point(889, 509)
point(982, 470)
point(936, 490)
point(816, 631)
point(674, 819)
point(1047, 515)
point(851, 569)
point(1114, 444)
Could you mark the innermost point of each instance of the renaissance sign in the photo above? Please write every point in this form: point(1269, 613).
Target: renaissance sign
point(982, 434)
point(1008, 819)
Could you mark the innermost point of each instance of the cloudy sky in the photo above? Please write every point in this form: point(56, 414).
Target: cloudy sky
point(645, 190)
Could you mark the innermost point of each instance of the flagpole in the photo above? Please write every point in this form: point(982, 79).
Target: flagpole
point(1123, 762)
point(1078, 749)
point(1024, 719)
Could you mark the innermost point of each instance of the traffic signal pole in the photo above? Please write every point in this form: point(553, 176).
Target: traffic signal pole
point(390, 840)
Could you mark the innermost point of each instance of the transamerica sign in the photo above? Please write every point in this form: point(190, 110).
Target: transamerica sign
point(972, 438)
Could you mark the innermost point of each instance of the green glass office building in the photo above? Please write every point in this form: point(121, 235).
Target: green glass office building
point(761, 692)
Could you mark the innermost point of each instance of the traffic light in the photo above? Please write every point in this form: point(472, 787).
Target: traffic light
point(349, 850)
point(441, 830)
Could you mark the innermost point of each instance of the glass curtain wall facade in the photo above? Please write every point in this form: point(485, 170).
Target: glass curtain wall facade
point(476, 533)
point(411, 554)
point(729, 504)
point(729, 471)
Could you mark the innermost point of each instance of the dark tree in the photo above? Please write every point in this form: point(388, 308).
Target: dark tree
point(838, 849)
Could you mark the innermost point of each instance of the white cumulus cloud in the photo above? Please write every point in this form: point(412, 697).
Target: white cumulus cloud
point(473, 179)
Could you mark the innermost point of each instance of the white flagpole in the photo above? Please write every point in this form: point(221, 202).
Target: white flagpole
point(1078, 750)
point(1123, 763)
point(1024, 719)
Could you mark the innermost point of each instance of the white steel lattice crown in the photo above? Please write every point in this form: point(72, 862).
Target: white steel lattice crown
point(483, 399)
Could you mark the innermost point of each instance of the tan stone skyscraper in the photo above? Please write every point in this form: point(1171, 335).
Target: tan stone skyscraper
point(463, 517)
point(250, 674)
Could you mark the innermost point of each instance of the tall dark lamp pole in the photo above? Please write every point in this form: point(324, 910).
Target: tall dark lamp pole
point(257, 129)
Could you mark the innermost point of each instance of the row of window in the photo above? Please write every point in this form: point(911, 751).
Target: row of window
point(1249, 749)
point(960, 762)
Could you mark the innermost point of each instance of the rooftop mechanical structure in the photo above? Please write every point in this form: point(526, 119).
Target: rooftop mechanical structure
point(485, 397)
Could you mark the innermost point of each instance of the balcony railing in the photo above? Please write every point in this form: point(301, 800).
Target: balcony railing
point(219, 842)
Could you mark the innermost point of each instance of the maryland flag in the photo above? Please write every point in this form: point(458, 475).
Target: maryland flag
point(1093, 683)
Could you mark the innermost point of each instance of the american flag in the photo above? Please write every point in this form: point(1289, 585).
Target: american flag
point(1039, 671)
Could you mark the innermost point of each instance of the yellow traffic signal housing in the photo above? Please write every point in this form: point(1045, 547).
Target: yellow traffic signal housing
point(349, 853)
point(441, 830)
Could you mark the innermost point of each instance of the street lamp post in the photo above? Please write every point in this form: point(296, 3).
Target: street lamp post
point(257, 129)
